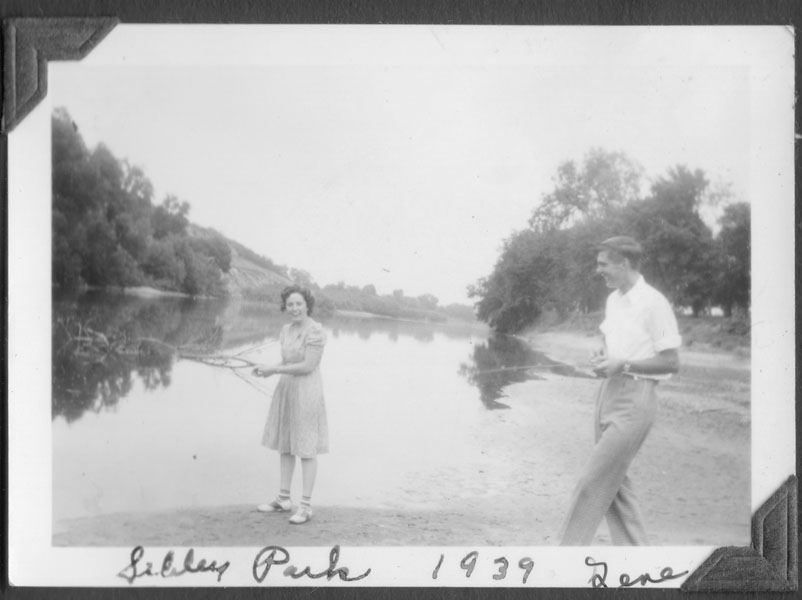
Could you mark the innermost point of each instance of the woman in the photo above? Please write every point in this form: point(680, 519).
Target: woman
point(296, 424)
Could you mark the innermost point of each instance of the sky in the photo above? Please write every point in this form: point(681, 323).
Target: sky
point(403, 172)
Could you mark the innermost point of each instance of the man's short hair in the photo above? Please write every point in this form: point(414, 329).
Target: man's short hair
point(621, 247)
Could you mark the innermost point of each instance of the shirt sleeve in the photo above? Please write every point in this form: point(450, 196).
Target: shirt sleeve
point(316, 337)
point(663, 327)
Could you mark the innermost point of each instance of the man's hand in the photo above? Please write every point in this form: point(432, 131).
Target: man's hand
point(605, 366)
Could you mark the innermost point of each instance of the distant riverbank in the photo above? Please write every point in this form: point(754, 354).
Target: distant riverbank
point(143, 291)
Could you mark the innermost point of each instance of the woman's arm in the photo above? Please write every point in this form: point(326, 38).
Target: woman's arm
point(311, 360)
point(312, 356)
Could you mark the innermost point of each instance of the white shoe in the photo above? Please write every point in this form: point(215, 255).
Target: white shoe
point(303, 515)
point(277, 505)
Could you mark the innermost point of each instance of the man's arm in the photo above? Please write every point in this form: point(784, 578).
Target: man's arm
point(662, 363)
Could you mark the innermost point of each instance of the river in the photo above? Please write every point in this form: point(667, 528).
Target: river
point(138, 428)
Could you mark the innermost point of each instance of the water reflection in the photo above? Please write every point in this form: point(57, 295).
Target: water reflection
point(503, 360)
point(394, 328)
point(189, 422)
point(104, 343)
point(101, 341)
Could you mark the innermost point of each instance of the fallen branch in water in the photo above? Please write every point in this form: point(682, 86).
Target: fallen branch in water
point(94, 348)
point(220, 360)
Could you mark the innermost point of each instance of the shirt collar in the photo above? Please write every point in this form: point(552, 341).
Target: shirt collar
point(635, 292)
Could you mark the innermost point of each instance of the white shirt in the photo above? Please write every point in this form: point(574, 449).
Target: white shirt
point(639, 324)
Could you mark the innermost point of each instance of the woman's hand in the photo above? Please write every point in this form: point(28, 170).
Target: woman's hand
point(264, 371)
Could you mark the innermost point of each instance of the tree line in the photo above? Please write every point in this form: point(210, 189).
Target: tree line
point(107, 231)
point(550, 263)
point(424, 307)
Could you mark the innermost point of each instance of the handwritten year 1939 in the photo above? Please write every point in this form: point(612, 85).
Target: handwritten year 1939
point(468, 564)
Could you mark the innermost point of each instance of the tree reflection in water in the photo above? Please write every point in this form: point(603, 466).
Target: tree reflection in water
point(503, 360)
point(393, 328)
point(100, 342)
point(103, 343)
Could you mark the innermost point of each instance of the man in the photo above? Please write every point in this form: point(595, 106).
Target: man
point(640, 349)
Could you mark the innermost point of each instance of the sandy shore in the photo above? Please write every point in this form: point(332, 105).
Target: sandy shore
point(692, 475)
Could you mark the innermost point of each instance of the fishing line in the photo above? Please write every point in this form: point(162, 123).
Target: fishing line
point(235, 364)
point(254, 385)
point(578, 368)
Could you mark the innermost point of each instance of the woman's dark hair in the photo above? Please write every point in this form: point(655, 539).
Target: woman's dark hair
point(297, 289)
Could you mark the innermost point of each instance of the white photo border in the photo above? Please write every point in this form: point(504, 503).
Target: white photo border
point(767, 51)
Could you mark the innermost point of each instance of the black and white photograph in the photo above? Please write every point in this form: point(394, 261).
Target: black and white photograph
point(428, 305)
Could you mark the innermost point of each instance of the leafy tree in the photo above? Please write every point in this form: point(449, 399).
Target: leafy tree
point(680, 253)
point(215, 248)
point(133, 224)
point(97, 239)
point(132, 234)
point(522, 283)
point(202, 277)
point(163, 264)
point(369, 289)
point(74, 178)
point(99, 245)
point(170, 217)
point(427, 301)
point(137, 186)
point(605, 181)
point(123, 270)
point(733, 280)
point(67, 263)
